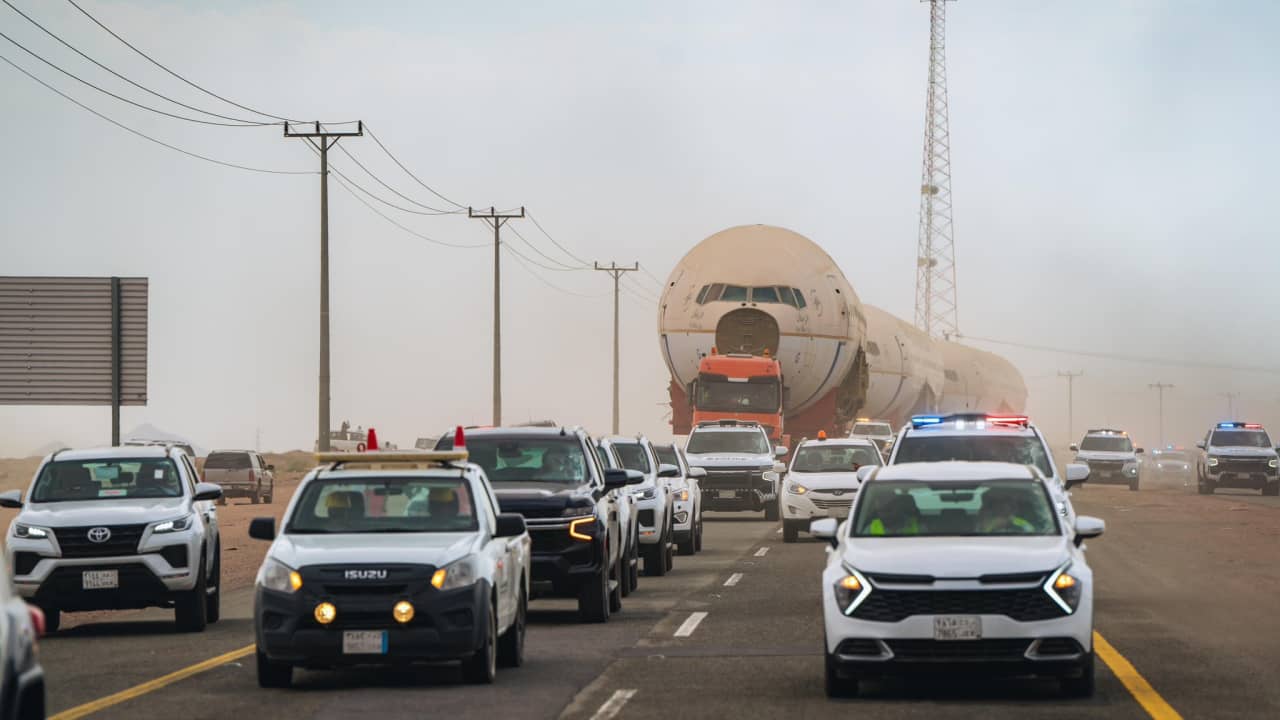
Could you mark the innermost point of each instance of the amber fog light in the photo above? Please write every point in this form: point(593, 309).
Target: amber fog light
point(402, 612)
point(326, 613)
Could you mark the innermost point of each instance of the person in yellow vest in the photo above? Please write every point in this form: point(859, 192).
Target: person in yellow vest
point(897, 516)
point(1000, 514)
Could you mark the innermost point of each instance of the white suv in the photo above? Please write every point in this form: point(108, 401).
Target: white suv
point(957, 564)
point(117, 528)
point(655, 501)
point(1111, 457)
point(823, 480)
point(743, 472)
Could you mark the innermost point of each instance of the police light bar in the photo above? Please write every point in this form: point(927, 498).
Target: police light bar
point(927, 420)
point(923, 420)
point(1246, 426)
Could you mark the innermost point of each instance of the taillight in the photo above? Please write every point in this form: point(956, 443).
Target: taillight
point(251, 478)
point(37, 619)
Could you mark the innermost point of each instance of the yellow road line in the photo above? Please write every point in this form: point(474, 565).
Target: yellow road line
point(152, 685)
point(1137, 685)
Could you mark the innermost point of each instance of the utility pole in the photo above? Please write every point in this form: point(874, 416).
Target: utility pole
point(1071, 394)
point(496, 220)
point(1161, 387)
point(322, 140)
point(1231, 404)
point(617, 273)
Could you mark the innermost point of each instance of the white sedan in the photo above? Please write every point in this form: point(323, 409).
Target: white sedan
point(954, 565)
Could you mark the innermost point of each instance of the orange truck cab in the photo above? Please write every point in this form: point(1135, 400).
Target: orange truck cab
point(739, 387)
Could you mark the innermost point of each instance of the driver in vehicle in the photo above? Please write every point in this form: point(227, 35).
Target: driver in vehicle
point(555, 465)
point(1000, 514)
point(897, 516)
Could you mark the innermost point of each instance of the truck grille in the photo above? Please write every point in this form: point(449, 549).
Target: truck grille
point(75, 542)
point(1023, 605)
point(841, 504)
point(731, 478)
point(1243, 465)
point(1106, 466)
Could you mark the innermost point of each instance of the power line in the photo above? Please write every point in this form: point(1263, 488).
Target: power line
point(642, 290)
point(379, 198)
point(562, 248)
point(370, 173)
point(144, 136)
point(77, 51)
point(562, 267)
point(165, 68)
point(652, 277)
point(1127, 358)
point(121, 98)
point(407, 171)
point(529, 269)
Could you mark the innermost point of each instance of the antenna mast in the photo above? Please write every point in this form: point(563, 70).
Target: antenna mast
point(935, 257)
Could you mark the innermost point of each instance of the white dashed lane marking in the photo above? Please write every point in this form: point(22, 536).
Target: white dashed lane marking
point(614, 704)
point(733, 580)
point(690, 624)
point(762, 551)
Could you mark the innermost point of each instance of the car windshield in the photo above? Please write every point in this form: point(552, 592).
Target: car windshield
point(1241, 438)
point(833, 458)
point(727, 441)
point(227, 461)
point(872, 429)
point(555, 459)
point(113, 479)
point(384, 505)
point(632, 456)
point(604, 457)
point(1018, 449)
point(666, 454)
point(1106, 443)
point(902, 508)
point(737, 396)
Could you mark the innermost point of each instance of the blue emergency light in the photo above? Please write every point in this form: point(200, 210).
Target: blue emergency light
point(922, 420)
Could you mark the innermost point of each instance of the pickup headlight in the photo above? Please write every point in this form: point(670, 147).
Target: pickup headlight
point(457, 574)
point(797, 489)
point(30, 531)
point(851, 590)
point(1273, 462)
point(171, 526)
point(1212, 462)
point(275, 575)
point(1064, 589)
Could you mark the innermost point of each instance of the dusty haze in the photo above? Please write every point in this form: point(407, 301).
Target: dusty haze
point(1110, 167)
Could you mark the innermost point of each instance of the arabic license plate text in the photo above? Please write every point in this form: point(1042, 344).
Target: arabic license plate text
point(100, 579)
point(364, 642)
point(957, 627)
point(726, 493)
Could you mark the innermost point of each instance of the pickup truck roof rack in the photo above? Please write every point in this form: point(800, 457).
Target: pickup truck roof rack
point(428, 458)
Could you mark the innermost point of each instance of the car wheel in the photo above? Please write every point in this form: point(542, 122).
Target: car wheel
point(1204, 488)
point(213, 598)
point(1083, 686)
point(1133, 485)
point(655, 561)
point(615, 591)
point(686, 547)
point(190, 610)
point(790, 531)
point(593, 598)
point(697, 538)
point(52, 619)
point(1272, 489)
point(771, 511)
point(624, 571)
point(482, 667)
point(273, 674)
point(511, 645)
point(838, 686)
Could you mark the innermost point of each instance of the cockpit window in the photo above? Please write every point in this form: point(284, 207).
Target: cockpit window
point(799, 297)
point(764, 295)
point(734, 293)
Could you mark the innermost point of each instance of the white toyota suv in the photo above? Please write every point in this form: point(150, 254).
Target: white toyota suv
point(389, 559)
point(655, 501)
point(743, 472)
point(823, 479)
point(948, 565)
point(117, 528)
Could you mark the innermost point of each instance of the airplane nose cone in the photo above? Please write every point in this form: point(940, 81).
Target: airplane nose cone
point(747, 330)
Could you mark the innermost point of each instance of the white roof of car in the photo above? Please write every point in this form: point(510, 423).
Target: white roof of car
point(728, 428)
point(971, 428)
point(113, 453)
point(855, 441)
point(955, 470)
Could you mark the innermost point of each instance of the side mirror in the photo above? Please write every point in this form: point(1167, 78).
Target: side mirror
point(272, 468)
point(779, 467)
point(1088, 527)
point(207, 491)
point(1077, 474)
point(780, 451)
point(697, 472)
point(668, 471)
point(865, 471)
point(825, 529)
point(1073, 447)
point(11, 499)
point(1200, 444)
point(509, 525)
point(614, 479)
point(263, 528)
point(1137, 451)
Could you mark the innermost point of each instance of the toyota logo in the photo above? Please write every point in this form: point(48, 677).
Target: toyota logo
point(99, 534)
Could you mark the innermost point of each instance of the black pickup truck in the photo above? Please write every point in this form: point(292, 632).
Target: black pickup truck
point(553, 477)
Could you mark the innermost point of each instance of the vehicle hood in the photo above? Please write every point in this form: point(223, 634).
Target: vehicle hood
point(125, 511)
point(438, 549)
point(734, 460)
point(1087, 455)
point(1235, 451)
point(820, 481)
point(540, 499)
point(956, 557)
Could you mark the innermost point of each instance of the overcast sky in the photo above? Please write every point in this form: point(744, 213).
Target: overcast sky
point(1113, 167)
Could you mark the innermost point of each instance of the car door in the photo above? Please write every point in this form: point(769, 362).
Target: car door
point(610, 499)
point(206, 510)
point(499, 552)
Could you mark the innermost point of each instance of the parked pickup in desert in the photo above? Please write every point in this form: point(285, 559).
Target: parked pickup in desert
point(241, 473)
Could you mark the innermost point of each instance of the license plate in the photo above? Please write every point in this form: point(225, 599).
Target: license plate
point(726, 493)
point(100, 579)
point(957, 627)
point(364, 642)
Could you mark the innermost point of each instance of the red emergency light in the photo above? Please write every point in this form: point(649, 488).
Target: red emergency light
point(1007, 419)
point(459, 439)
point(372, 443)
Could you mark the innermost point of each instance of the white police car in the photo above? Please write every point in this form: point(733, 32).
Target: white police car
point(955, 566)
point(822, 480)
point(392, 558)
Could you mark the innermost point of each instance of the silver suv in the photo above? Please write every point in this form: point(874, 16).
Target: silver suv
point(117, 528)
point(1111, 457)
point(1237, 455)
point(743, 472)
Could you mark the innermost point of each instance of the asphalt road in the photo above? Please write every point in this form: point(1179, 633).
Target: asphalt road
point(1187, 589)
